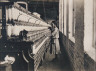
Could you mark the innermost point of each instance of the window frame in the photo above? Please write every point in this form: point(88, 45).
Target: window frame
point(94, 24)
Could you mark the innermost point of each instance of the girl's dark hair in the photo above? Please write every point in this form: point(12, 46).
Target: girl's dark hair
point(53, 25)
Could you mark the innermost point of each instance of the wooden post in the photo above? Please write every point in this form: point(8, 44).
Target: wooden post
point(3, 21)
point(67, 25)
point(94, 29)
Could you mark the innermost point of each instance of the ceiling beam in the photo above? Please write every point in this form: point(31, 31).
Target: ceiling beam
point(44, 0)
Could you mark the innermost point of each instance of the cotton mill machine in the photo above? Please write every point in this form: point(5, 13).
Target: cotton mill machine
point(23, 35)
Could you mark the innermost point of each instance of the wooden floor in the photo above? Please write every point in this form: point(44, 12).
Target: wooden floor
point(62, 63)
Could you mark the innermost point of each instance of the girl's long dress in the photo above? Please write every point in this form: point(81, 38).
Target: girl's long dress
point(55, 42)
